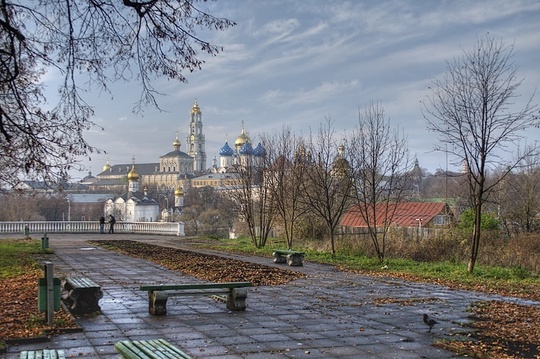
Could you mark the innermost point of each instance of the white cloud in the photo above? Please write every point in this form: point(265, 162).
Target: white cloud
point(297, 62)
point(303, 96)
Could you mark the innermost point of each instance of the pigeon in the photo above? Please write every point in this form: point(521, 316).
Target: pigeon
point(430, 322)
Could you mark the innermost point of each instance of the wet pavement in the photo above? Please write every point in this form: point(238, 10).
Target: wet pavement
point(328, 314)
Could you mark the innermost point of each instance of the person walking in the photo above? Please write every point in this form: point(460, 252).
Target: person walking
point(112, 221)
point(102, 225)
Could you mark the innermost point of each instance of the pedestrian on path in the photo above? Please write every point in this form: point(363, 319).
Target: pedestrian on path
point(112, 221)
point(102, 225)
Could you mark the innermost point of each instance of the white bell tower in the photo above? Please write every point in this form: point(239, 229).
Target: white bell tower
point(195, 140)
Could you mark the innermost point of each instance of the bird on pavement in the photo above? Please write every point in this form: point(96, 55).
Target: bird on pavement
point(429, 322)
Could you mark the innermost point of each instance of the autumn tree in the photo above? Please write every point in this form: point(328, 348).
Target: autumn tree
point(285, 177)
point(379, 168)
point(519, 197)
point(472, 110)
point(207, 212)
point(91, 44)
point(252, 194)
point(327, 184)
point(20, 206)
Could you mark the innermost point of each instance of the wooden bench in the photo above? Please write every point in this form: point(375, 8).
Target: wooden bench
point(149, 349)
point(157, 294)
point(292, 258)
point(43, 354)
point(81, 295)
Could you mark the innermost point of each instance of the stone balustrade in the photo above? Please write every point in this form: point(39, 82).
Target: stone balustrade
point(40, 227)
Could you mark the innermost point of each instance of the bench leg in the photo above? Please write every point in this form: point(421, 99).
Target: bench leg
point(236, 299)
point(295, 260)
point(80, 301)
point(157, 302)
point(279, 258)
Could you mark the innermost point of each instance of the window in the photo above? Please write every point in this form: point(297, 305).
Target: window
point(440, 220)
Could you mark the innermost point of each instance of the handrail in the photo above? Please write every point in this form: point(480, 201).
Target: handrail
point(27, 227)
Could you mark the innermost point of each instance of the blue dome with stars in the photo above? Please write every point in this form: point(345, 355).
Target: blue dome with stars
point(246, 149)
point(226, 150)
point(259, 151)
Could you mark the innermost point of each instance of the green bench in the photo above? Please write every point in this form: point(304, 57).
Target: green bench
point(149, 349)
point(81, 295)
point(292, 258)
point(235, 292)
point(43, 354)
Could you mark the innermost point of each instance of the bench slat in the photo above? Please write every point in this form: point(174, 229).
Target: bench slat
point(160, 287)
point(149, 349)
point(284, 252)
point(128, 350)
point(82, 282)
point(43, 354)
point(161, 349)
point(193, 292)
point(173, 349)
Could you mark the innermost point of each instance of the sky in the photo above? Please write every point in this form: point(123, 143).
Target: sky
point(296, 63)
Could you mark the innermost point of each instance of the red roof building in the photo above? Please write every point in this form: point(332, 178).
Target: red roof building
point(404, 214)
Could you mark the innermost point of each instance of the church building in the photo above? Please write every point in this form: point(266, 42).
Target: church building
point(178, 170)
point(133, 206)
point(174, 169)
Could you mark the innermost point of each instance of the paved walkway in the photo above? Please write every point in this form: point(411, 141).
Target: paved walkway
point(329, 314)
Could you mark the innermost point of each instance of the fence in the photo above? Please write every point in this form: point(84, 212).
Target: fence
point(406, 233)
point(165, 228)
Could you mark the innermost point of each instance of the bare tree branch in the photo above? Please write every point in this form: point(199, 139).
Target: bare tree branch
point(92, 43)
point(472, 108)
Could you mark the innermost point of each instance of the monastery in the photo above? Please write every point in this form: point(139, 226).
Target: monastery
point(177, 170)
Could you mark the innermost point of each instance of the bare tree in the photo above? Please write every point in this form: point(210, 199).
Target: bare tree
point(472, 107)
point(379, 167)
point(519, 197)
point(191, 218)
point(252, 195)
point(20, 206)
point(285, 178)
point(327, 183)
point(92, 44)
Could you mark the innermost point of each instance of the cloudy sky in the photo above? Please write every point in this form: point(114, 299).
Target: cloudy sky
point(299, 62)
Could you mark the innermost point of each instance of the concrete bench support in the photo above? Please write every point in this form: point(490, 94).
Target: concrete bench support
point(292, 258)
point(81, 295)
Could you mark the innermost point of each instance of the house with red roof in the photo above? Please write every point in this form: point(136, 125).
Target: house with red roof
point(403, 214)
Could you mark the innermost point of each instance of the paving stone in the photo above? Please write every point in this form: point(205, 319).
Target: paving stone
point(328, 314)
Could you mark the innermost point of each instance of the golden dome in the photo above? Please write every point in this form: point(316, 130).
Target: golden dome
point(179, 191)
point(240, 140)
point(107, 166)
point(195, 108)
point(177, 144)
point(133, 175)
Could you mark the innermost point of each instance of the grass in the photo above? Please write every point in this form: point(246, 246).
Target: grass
point(17, 256)
point(19, 272)
point(514, 281)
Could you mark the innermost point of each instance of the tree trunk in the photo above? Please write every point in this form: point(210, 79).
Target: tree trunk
point(332, 243)
point(475, 243)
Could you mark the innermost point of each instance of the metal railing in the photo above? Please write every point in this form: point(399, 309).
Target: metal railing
point(28, 227)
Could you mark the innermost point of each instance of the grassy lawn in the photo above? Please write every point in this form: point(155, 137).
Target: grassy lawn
point(17, 257)
point(19, 273)
point(506, 281)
